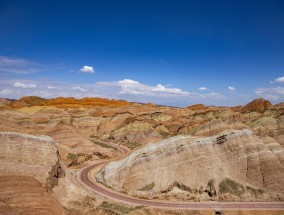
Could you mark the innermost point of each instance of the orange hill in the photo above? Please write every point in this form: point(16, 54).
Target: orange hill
point(258, 105)
point(70, 102)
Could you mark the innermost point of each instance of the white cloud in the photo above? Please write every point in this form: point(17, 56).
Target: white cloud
point(18, 65)
point(212, 95)
point(231, 88)
point(132, 87)
point(6, 92)
point(87, 69)
point(279, 80)
point(22, 85)
point(127, 89)
point(162, 88)
point(128, 81)
point(159, 88)
point(79, 89)
point(51, 87)
point(202, 88)
point(161, 94)
point(274, 94)
point(276, 90)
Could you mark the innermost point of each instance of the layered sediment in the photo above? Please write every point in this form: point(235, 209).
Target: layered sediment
point(232, 165)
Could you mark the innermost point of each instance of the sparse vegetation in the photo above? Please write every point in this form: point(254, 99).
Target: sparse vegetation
point(73, 158)
point(120, 209)
point(100, 155)
point(53, 176)
point(148, 187)
point(87, 204)
point(232, 187)
point(131, 145)
point(164, 134)
point(103, 145)
point(256, 192)
point(211, 188)
point(178, 185)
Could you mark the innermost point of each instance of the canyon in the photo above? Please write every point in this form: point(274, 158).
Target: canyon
point(193, 154)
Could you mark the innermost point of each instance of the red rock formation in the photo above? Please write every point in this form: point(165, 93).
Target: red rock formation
point(25, 195)
point(82, 127)
point(258, 105)
point(71, 102)
point(27, 101)
point(196, 107)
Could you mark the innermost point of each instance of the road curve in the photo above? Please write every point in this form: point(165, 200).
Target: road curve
point(104, 191)
point(124, 150)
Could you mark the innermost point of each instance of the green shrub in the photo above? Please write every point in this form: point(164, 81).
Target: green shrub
point(232, 187)
point(103, 145)
point(148, 187)
point(120, 209)
point(131, 145)
point(256, 192)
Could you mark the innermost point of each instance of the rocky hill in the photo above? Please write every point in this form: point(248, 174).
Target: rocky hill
point(187, 154)
point(4, 102)
point(231, 165)
point(29, 169)
point(27, 101)
point(62, 102)
point(34, 180)
point(258, 105)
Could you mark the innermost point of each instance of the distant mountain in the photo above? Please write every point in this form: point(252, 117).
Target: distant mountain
point(258, 105)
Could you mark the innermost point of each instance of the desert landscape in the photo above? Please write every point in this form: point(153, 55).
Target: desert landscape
point(153, 107)
point(101, 156)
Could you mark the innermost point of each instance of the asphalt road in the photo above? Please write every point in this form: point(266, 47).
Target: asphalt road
point(104, 191)
point(124, 150)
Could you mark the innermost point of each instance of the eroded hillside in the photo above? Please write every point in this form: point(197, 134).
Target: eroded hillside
point(197, 153)
point(234, 165)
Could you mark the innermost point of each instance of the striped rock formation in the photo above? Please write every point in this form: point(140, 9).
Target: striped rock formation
point(233, 164)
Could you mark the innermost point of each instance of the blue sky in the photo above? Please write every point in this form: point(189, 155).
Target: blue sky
point(168, 52)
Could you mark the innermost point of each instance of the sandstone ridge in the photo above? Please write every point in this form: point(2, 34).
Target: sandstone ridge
point(259, 104)
point(233, 165)
point(34, 180)
point(196, 153)
point(29, 167)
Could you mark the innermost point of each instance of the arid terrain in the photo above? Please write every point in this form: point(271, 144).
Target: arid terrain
point(194, 155)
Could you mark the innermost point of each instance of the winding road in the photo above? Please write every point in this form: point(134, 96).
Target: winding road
point(86, 179)
point(124, 150)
